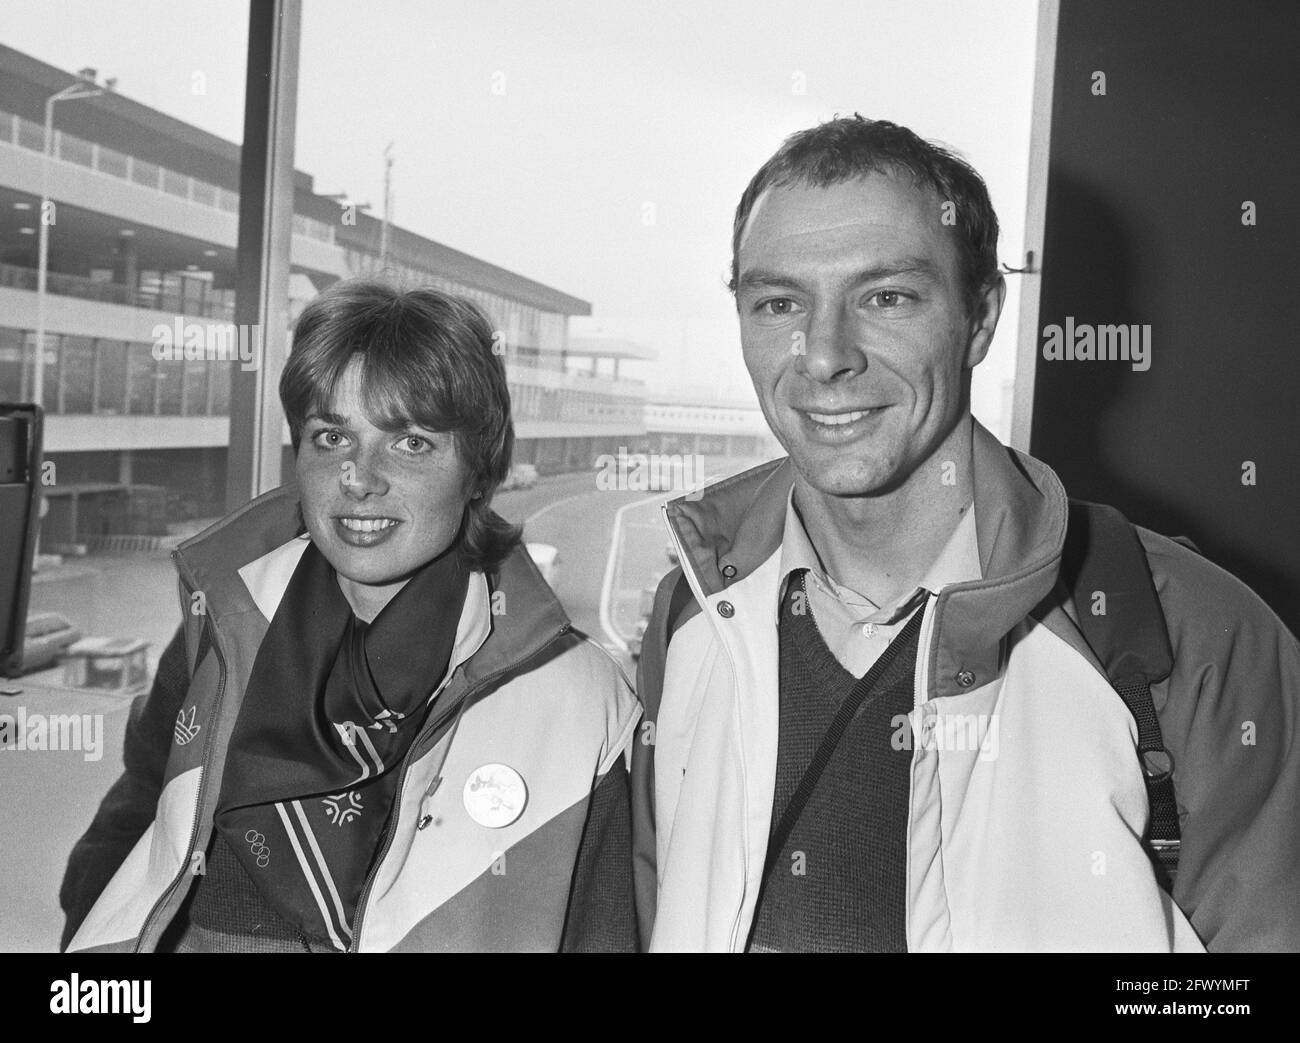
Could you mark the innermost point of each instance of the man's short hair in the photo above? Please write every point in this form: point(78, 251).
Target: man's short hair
point(851, 147)
point(427, 359)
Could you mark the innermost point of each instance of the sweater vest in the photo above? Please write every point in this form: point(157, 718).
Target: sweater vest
point(840, 882)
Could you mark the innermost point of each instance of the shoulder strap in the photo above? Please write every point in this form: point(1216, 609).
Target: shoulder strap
point(1119, 612)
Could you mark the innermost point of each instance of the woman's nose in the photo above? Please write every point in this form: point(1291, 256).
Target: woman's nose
point(359, 477)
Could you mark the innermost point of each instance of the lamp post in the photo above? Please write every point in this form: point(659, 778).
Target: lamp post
point(81, 89)
point(388, 208)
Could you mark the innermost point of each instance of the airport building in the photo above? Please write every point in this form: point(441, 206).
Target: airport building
point(146, 217)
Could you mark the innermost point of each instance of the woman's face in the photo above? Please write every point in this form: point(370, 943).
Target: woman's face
point(378, 504)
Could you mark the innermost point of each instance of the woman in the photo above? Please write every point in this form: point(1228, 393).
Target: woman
point(390, 738)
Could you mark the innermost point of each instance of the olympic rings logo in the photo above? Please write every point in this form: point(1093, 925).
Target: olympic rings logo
point(257, 847)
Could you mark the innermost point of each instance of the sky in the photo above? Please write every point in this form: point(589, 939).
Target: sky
point(597, 146)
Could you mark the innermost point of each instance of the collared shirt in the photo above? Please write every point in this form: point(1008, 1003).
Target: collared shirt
point(854, 627)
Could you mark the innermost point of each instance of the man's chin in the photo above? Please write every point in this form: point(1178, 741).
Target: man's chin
point(846, 477)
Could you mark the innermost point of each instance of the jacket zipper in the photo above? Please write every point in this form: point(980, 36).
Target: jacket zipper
point(203, 785)
point(922, 684)
point(404, 767)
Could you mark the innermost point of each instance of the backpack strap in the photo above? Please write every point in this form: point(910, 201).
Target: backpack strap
point(1106, 570)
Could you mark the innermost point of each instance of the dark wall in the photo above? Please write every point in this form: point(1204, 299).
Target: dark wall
point(1144, 225)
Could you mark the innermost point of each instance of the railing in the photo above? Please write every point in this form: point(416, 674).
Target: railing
point(19, 278)
point(14, 130)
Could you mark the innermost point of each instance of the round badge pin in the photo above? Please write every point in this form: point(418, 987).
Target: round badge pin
point(495, 795)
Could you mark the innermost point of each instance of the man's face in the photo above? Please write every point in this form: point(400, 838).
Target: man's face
point(854, 328)
point(378, 504)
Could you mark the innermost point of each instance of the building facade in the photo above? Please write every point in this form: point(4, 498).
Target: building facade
point(142, 237)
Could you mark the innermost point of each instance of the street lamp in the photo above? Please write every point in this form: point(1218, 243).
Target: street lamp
point(80, 89)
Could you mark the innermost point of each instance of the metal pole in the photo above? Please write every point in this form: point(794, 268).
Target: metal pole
point(70, 92)
point(388, 208)
point(43, 261)
point(266, 192)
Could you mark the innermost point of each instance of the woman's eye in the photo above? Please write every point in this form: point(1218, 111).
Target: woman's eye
point(329, 438)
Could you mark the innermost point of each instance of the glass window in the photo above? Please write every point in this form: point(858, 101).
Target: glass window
point(193, 293)
point(176, 184)
point(112, 162)
point(171, 292)
point(145, 173)
point(219, 389)
point(195, 389)
point(140, 378)
point(205, 193)
point(149, 293)
point(75, 150)
point(77, 374)
point(31, 135)
point(50, 377)
point(110, 396)
point(169, 376)
point(12, 386)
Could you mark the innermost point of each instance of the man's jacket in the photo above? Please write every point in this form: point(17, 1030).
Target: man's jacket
point(1027, 802)
point(535, 696)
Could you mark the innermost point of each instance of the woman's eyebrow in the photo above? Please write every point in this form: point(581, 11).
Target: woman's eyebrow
point(336, 419)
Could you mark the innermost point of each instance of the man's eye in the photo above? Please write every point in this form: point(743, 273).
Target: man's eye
point(776, 307)
point(887, 298)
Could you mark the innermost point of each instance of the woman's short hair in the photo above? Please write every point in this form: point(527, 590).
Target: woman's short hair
point(427, 358)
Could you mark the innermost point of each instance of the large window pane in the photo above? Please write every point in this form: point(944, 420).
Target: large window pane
point(78, 374)
point(168, 376)
point(11, 365)
point(196, 386)
point(141, 367)
point(111, 396)
point(146, 182)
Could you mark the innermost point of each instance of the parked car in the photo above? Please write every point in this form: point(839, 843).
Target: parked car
point(48, 636)
point(521, 476)
point(547, 560)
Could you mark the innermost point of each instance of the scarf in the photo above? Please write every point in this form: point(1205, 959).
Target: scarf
point(333, 704)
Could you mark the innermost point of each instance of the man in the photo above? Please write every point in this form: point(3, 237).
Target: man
point(982, 788)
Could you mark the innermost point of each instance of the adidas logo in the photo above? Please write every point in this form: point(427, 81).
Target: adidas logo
point(186, 730)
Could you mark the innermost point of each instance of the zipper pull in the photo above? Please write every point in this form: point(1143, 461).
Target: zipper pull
point(426, 804)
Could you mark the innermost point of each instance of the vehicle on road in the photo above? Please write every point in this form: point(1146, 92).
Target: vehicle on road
point(547, 560)
point(521, 476)
point(47, 637)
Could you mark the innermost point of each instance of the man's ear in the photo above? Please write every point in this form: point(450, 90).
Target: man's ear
point(984, 320)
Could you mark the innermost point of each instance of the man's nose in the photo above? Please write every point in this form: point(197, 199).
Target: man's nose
point(362, 475)
point(831, 350)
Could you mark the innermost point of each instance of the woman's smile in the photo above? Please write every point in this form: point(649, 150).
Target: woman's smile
point(364, 530)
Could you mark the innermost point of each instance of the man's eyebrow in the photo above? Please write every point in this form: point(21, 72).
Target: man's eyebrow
point(759, 278)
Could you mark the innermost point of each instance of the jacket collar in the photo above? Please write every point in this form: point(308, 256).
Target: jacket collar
point(243, 564)
point(1020, 518)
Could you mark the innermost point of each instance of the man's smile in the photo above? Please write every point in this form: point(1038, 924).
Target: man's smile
point(838, 426)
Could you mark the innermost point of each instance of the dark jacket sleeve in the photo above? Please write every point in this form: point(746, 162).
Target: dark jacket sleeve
point(125, 813)
point(601, 915)
point(1230, 714)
